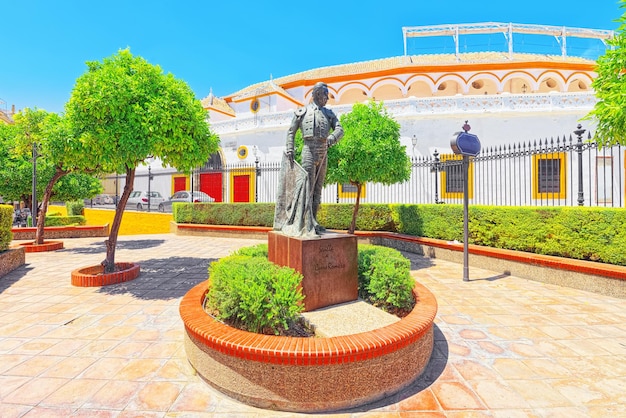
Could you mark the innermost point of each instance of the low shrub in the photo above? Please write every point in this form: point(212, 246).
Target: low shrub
point(244, 214)
point(253, 294)
point(6, 221)
point(75, 208)
point(65, 220)
point(586, 233)
point(385, 278)
point(371, 217)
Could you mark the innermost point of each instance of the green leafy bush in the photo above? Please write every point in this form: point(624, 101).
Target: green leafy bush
point(371, 217)
point(244, 214)
point(584, 233)
point(385, 278)
point(75, 208)
point(253, 294)
point(6, 221)
point(65, 220)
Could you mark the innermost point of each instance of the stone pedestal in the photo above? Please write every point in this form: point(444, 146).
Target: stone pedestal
point(328, 264)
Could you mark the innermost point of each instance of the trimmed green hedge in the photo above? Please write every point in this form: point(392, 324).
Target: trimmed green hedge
point(6, 221)
point(595, 234)
point(75, 208)
point(244, 214)
point(65, 220)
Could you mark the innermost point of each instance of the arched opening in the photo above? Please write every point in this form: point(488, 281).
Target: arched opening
point(353, 95)
point(419, 89)
point(482, 86)
point(448, 88)
point(387, 92)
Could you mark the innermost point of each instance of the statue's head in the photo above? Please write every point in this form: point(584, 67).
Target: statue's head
point(320, 94)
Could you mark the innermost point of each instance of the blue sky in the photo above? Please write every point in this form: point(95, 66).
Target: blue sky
point(228, 45)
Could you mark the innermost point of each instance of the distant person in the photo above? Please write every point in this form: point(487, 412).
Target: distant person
point(300, 192)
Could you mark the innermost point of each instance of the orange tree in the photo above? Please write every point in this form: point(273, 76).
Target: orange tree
point(47, 135)
point(124, 110)
point(370, 151)
point(610, 87)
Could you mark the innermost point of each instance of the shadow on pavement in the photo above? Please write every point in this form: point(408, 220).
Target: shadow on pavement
point(164, 278)
point(99, 247)
point(418, 261)
point(431, 373)
point(492, 278)
point(14, 276)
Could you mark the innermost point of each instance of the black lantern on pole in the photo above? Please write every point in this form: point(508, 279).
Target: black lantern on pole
point(467, 145)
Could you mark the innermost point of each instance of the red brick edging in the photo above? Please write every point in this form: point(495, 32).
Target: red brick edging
point(308, 374)
point(56, 232)
point(93, 276)
point(32, 247)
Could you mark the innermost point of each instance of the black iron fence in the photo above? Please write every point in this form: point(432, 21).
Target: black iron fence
point(564, 171)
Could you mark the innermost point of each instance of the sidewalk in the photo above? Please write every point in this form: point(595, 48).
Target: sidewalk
point(505, 346)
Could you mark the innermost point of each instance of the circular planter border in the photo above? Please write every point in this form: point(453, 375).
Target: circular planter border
point(32, 247)
point(308, 374)
point(93, 276)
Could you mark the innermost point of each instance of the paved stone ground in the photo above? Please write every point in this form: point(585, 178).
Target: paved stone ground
point(505, 346)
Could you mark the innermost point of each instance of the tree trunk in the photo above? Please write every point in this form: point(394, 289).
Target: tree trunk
point(111, 243)
point(41, 217)
point(356, 208)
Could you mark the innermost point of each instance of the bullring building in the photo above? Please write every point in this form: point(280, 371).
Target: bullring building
point(523, 89)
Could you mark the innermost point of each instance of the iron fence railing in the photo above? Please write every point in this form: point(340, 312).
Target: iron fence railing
point(562, 171)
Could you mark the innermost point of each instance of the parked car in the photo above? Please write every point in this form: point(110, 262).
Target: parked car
point(103, 199)
point(139, 199)
point(185, 196)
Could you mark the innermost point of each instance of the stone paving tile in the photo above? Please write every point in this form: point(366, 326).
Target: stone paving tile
point(504, 346)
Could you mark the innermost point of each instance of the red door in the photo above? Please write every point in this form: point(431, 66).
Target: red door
point(180, 183)
point(241, 188)
point(211, 184)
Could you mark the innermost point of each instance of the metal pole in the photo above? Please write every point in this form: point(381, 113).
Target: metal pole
point(579, 149)
point(256, 178)
point(436, 155)
point(34, 197)
point(149, 178)
point(465, 218)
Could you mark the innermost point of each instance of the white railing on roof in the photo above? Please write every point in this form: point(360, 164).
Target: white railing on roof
point(561, 33)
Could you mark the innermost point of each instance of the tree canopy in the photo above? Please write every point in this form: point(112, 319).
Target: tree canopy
point(370, 151)
point(33, 126)
point(610, 88)
point(124, 110)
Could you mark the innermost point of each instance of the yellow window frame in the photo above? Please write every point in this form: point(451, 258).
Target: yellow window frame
point(443, 191)
point(350, 195)
point(244, 171)
point(175, 176)
point(561, 194)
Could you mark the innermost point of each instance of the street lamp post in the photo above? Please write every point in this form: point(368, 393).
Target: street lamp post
point(579, 150)
point(436, 168)
point(149, 181)
point(257, 173)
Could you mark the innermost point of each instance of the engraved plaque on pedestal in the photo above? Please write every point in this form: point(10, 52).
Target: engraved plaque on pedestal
point(328, 264)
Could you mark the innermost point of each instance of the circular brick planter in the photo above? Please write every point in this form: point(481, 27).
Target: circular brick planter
point(31, 247)
point(308, 374)
point(94, 275)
